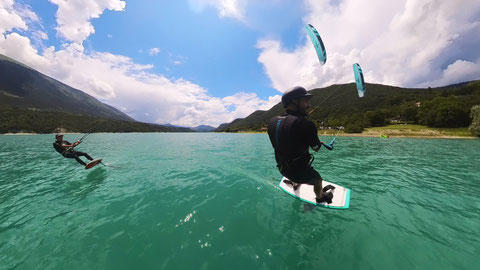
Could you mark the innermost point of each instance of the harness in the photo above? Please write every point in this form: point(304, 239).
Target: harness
point(280, 128)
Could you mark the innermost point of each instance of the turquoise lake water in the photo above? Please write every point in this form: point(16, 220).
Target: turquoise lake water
point(211, 201)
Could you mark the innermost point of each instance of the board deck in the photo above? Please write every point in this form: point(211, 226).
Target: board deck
point(93, 163)
point(340, 200)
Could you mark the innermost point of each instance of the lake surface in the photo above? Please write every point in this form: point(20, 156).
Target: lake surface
point(211, 201)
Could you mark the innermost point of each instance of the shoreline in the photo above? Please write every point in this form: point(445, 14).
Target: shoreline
point(392, 133)
point(425, 133)
point(404, 136)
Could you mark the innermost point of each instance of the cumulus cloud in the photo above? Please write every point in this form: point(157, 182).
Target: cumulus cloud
point(154, 51)
point(460, 71)
point(10, 17)
point(74, 16)
point(119, 81)
point(407, 43)
point(226, 8)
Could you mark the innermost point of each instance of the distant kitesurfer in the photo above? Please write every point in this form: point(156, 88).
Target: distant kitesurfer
point(291, 136)
point(65, 148)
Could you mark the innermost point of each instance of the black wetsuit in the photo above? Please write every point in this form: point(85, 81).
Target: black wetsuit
point(69, 152)
point(291, 135)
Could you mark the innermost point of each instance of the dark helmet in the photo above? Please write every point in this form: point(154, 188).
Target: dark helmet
point(58, 135)
point(294, 93)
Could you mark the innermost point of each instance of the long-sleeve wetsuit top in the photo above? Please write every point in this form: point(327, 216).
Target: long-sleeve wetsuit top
point(59, 148)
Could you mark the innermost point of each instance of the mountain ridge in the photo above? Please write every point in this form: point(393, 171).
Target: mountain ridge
point(339, 105)
point(24, 87)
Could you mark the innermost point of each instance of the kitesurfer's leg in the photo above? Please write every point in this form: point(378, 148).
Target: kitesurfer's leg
point(317, 188)
point(73, 154)
point(316, 181)
point(82, 154)
point(79, 160)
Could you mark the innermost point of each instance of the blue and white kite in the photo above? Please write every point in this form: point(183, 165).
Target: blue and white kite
point(359, 79)
point(317, 43)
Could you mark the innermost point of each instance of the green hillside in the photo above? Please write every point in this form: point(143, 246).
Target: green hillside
point(339, 105)
point(17, 120)
point(24, 87)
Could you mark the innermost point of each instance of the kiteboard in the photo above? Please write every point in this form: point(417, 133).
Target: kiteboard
point(93, 163)
point(340, 200)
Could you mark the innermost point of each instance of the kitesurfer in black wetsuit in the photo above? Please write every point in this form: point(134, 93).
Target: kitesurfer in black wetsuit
point(65, 148)
point(291, 136)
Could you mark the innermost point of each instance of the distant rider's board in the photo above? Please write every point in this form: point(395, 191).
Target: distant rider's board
point(340, 200)
point(93, 163)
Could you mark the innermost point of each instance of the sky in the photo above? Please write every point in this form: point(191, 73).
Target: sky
point(208, 62)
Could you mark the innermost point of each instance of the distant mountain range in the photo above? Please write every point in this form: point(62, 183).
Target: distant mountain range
point(28, 99)
point(201, 128)
point(339, 105)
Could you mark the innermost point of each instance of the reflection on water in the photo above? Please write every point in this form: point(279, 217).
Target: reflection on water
point(82, 187)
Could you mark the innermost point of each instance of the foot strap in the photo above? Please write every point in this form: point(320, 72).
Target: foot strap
point(326, 197)
point(327, 188)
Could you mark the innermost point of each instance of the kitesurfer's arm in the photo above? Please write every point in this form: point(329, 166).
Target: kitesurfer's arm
point(315, 142)
point(312, 136)
point(67, 145)
point(316, 148)
point(328, 146)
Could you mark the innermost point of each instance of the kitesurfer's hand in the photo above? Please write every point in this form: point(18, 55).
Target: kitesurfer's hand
point(328, 146)
point(76, 143)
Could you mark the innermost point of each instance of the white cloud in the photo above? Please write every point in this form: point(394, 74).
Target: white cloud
point(9, 17)
point(406, 43)
point(19, 47)
point(26, 12)
point(39, 35)
point(460, 71)
point(143, 95)
point(133, 88)
point(74, 16)
point(226, 8)
point(154, 51)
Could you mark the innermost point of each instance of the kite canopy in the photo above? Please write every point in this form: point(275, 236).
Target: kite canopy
point(317, 43)
point(359, 79)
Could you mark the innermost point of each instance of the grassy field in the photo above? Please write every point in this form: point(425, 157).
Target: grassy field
point(400, 131)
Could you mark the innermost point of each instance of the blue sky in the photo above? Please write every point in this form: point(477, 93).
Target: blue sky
point(195, 62)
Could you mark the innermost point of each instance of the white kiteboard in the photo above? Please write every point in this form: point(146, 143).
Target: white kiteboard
point(340, 200)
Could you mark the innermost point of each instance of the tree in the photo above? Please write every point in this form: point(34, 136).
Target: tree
point(444, 112)
point(374, 118)
point(409, 112)
point(475, 126)
point(355, 124)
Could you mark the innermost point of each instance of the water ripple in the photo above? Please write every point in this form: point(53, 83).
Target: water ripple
point(213, 198)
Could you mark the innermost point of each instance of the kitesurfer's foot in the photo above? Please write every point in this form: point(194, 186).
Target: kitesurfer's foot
point(291, 183)
point(288, 182)
point(327, 188)
point(326, 197)
point(296, 186)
